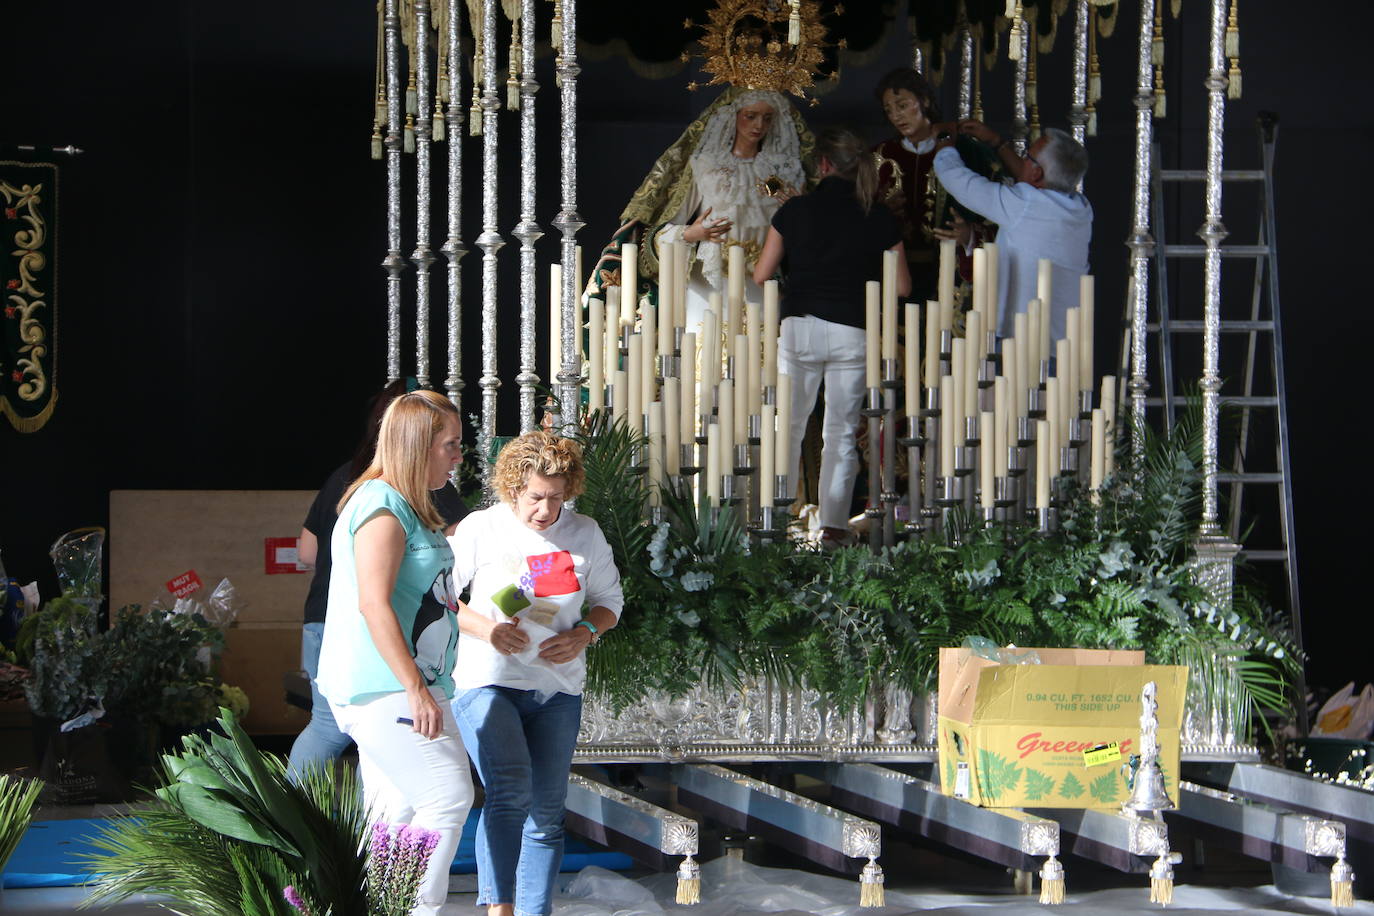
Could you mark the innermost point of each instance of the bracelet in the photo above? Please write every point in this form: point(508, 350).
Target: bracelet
point(591, 628)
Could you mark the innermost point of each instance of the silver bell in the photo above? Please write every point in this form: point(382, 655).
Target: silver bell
point(1147, 789)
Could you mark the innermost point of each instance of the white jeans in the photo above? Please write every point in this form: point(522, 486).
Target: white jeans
point(811, 349)
point(409, 779)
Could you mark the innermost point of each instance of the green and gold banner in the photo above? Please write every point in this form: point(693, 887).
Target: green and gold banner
point(28, 284)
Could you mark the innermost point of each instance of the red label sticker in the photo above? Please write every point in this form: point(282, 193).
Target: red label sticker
point(184, 584)
point(553, 574)
point(279, 557)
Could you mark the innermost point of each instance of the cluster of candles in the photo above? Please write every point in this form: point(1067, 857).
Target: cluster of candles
point(970, 404)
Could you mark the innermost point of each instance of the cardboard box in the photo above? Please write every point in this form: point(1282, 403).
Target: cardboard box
point(1016, 735)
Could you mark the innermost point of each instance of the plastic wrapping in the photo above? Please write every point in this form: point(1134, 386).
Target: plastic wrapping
point(985, 648)
point(220, 608)
point(77, 557)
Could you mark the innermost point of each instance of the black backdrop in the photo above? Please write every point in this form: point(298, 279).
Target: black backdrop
point(222, 303)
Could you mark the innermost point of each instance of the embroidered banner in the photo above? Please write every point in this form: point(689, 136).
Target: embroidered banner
point(28, 283)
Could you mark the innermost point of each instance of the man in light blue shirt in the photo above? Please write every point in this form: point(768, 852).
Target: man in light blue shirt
point(1042, 215)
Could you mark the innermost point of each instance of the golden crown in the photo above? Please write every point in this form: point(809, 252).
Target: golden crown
point(763, 44)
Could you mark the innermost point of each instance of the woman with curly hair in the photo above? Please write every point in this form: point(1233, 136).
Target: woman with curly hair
point(532, 565)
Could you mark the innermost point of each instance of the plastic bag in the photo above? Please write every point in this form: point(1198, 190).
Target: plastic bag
point(220, 608)
point(1347, 714)
point(76, 556)
point(983, 647)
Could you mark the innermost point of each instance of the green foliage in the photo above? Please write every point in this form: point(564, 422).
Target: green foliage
point(1106, 788)
point(67, 662)
point(17, 798)
point(228, 830)
point(1038, 785)
point(1070, 786)
point(706, 603)
point(996, 775)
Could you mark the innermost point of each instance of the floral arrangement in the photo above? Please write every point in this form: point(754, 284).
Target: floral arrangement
point(706, 602)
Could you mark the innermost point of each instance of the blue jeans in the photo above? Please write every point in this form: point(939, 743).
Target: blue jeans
point(320, 742)
point(523, 752)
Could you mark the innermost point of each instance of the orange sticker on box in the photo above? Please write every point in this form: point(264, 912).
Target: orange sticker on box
point(184, 584)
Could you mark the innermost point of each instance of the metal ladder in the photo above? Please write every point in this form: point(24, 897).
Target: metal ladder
point(1263, 319)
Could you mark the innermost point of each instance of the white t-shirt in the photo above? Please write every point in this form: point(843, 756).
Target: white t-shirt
point(545, 577)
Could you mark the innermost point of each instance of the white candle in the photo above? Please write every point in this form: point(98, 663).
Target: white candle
point(1053, 419)
point(655, 452)
point(629, 282)
point(1042, 464)
point(555, 323)
point(945, 287)
point(872, 375)
point(648, 350)
point(620, 387)
point(1044, 282)
point(710, 345)
point(634, 365)
point(1067, 370)
point(912, 367)
point(889, 299)
point(980, 281)
point(787, 462)
point(713, 464)
point(688, 423)
point(684, 267)
point(1109, 415)
point(955, 404)
point(1008, 376)
point(986, 422)
point(770, 333)
point(672, 426)
point(992, 305)
point(596, 354)
point(1001, 426)
point(946, 426)
point(741, 390)
point(768, 457)
point(725, 413)
point(735, 286)
point(973, 358)
point(1099, 449)
point(753, 329)
point(611, 332)
point(1085, 332)
point(932, 353)
point(1026, 367)
point(667, 298)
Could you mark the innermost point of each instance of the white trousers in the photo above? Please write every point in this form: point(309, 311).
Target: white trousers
point(812, 350)
point(409, 779)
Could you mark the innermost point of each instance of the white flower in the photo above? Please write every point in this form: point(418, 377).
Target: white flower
point(697, 581)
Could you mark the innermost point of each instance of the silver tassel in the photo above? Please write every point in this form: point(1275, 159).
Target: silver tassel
point(1052, 882)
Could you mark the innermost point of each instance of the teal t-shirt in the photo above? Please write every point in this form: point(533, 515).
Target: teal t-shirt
point(351, 669)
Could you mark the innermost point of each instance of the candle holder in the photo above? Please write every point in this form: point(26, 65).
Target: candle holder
point(755, 428)
point(1046, 519)
point(668, 366)
point(768, 529)
point(680, 486)
point(744, 465)
point(678, 331)
point(639, 459)
point(1079, 430)
point(781, 495)
point(873, 407)
point(1068, 461)
point(729, 370)
point(655, 515)
point(971, 431)
point(706, 418)
point(728, 495)
point(913, 437)
point(1003, 492)
point(1035, 403)
point(770, 395)
point(931, 406)
point(1085, 404)
point(990, 344)
point(946, 344)
point(1016, 461)
point(890, 379)
point(624, 345)
point(989, 514)
point(1044, 372)
point(965, 460)
point(951, 492)
point(687, 465)
point(1025, 431)
point(987, 372)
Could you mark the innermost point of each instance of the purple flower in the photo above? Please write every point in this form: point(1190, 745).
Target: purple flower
point(293, 898)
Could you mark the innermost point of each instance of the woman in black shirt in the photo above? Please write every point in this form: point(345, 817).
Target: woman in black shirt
point(832, 241)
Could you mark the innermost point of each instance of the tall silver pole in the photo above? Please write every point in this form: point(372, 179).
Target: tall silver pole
point(1018, 100)
point(1212, 233)
point(423, 255)
point(454, 249)
point(527, 231)
point(568, 222)
point(490, 240)
point(966, 65)
point(1140, 242)
point(393, 263)
point(1078, 111)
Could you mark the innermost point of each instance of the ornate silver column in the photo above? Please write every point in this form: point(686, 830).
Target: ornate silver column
point(1018, 100)
point(423, 256)
point(454, 249)
point(393, 263)
point(966, 65)
point(568, 222)
point(1212, 233)
point(1078, 111)
point(1140, 242)
point(527, 231)
point(490, 240)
